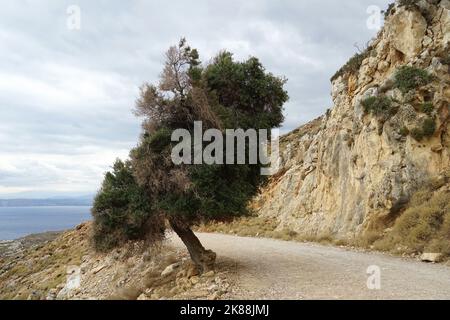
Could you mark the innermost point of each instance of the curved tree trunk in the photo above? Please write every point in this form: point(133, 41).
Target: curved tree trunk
point(203, 259)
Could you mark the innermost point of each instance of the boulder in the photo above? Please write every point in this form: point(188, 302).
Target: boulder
point(170, 269)
point(407, 30)
point(431, 257)
point(209, 274)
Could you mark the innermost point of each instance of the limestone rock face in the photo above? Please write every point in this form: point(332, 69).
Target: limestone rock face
point(407, 32)
point(342, 173)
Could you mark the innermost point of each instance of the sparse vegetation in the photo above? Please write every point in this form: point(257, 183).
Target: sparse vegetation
point(429, 127)
point(243, 226)
point(389, 10)
point(427, 130)
point(424, 226)
point(409, 4)
point(255, 226)
point(417, 134)
point(378, 105)
point(426, 107)
point(353, 65)
point(41, 267)
point(410, 78)
point(446, 60)
point(404, 131)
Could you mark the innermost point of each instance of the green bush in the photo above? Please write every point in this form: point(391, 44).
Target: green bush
point(427, 130)
point(388, 11)
point(427, 108)
point(429, 127)
point(417, 134)
point(381, 105)
point(411, 78)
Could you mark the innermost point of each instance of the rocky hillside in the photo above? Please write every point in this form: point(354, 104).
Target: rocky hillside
point(386, 135)
point(64, 266)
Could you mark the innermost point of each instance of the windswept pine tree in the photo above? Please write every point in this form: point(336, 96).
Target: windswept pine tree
point(144, 195)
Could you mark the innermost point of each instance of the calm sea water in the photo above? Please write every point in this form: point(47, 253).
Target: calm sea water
point(18, 222)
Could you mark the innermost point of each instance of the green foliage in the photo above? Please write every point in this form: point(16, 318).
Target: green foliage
point(247, 96)
point(446, 60)
point(159, 140)
point(404, 131)
point(388, 11)
point(122, 210)
point(429, 127)
point(352, 66)
point(417, 134)
point(427, 108)
point(409, 4)
point(410, 78)
point(215, 192)
point(378, 105)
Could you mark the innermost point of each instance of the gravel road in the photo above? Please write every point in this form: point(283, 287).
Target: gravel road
point(273, 269)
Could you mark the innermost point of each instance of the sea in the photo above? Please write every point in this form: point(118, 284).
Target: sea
point(16, 222)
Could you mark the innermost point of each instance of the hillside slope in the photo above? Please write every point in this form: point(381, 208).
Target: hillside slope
point(65, 266)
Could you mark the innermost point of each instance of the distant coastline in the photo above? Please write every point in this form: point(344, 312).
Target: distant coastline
point(51, 202)
point(17, 222)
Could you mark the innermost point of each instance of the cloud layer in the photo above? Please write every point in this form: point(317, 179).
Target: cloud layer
point(66, 95)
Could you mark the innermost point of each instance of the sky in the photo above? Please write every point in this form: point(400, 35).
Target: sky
point(70, 72)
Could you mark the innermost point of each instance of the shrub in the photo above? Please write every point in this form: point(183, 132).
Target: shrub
point(352, 65)
point(446, 60)
point(404, 131)
point(388, 11)
point(429, 127)
point(368, 238)
point(377, 105)
point(409, 4)
point(427, 108)
point(427, 130)
point(410, 78)
point(417, 134)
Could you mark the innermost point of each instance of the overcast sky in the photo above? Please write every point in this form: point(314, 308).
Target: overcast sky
point(66, 95)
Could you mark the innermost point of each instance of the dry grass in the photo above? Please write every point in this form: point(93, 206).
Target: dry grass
point(41, 268)
point(425, 224)
point(264, 227)
point(249, 226)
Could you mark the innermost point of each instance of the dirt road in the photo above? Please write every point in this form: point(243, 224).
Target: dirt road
point(273, 269)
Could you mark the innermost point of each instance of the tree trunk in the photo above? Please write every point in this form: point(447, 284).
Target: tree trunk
point(203, 259)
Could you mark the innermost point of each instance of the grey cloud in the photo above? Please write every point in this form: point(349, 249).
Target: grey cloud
point(66, 96)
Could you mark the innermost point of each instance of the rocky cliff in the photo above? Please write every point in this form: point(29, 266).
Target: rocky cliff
point(344, 173)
